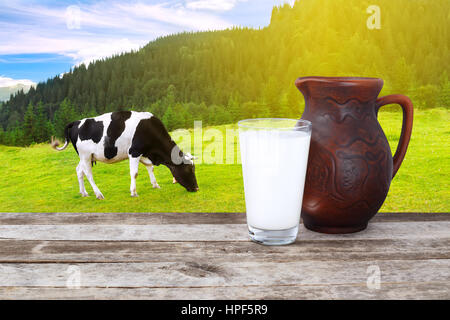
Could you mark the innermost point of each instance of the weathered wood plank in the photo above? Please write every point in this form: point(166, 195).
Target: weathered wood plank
point(431, 290)
point(164, 232)
point(120, 218)
point(70, 252)
point(206, 273)
point(213, 232)
point(174, 218)
point(201, 256)
point(410, 216)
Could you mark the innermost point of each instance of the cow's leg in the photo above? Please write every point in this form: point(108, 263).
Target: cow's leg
point(152, 177)
point(87, 169)
point(134, 166)
point(148, 164)
point(80, 175)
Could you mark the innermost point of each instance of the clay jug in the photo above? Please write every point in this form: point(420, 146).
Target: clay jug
point(350, 165)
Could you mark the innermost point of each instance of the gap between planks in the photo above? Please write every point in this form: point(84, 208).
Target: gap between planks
point(174, 218)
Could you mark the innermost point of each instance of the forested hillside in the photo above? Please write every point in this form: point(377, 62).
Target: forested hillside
point(222, 76)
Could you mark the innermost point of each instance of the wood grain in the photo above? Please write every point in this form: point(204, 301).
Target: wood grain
point(207, 273)
point(429, 290)
point(213, 232)
point(209, 256)
point(68, 252)
point(121, 218)
point(174, 218)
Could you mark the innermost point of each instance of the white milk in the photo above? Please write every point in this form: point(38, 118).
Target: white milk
point(274, 169)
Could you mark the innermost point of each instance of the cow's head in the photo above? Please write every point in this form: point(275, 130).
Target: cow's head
point(184, 172)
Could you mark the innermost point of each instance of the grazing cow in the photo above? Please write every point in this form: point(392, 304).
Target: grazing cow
point(116, 136)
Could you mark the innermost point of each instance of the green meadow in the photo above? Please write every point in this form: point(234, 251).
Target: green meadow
point(39, 179)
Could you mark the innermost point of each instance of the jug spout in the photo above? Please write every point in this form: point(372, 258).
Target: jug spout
point(344, 88)
point(302, 84)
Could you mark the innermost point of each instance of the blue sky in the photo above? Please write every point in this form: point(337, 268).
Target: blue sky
point(41, 39)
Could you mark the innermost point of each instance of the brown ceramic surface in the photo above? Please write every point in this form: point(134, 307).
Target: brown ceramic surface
point(350, 165)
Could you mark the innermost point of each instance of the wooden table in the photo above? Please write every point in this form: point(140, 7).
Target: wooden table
point(208, 256)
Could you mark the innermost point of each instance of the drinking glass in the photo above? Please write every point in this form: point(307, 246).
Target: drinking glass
point(274, 154)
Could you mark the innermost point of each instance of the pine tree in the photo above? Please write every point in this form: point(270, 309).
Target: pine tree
point(2, 136)
point(253, 109)
point(179, 116)
point(284, 110)
point(170, 99)
point(169, 119)
point(262, 111)
point(28, 126)
point(271, 96)
point(49, 129)
point(444, 91)
point(234, 109)
point(295, 102)
point(427, 96)
point(41, 133)
point(402, 76)
point(63, 116)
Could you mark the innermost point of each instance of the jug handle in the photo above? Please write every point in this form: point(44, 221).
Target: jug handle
point(405, 136)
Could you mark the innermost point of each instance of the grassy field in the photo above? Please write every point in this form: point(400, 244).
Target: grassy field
point(38, 179)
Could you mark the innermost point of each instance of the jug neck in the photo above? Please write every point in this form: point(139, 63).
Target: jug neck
point(317, 90)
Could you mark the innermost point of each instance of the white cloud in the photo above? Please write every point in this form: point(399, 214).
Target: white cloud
point(105, 28)
point(104, 49)
point(214, 5)
point(9, 82)
point(176, 15)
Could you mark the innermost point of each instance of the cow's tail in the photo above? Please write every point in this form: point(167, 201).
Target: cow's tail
point(55, 142)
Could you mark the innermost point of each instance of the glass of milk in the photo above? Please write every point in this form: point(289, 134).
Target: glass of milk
point(274, 154)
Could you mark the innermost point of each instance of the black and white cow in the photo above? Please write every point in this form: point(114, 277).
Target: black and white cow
point(137, 136)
